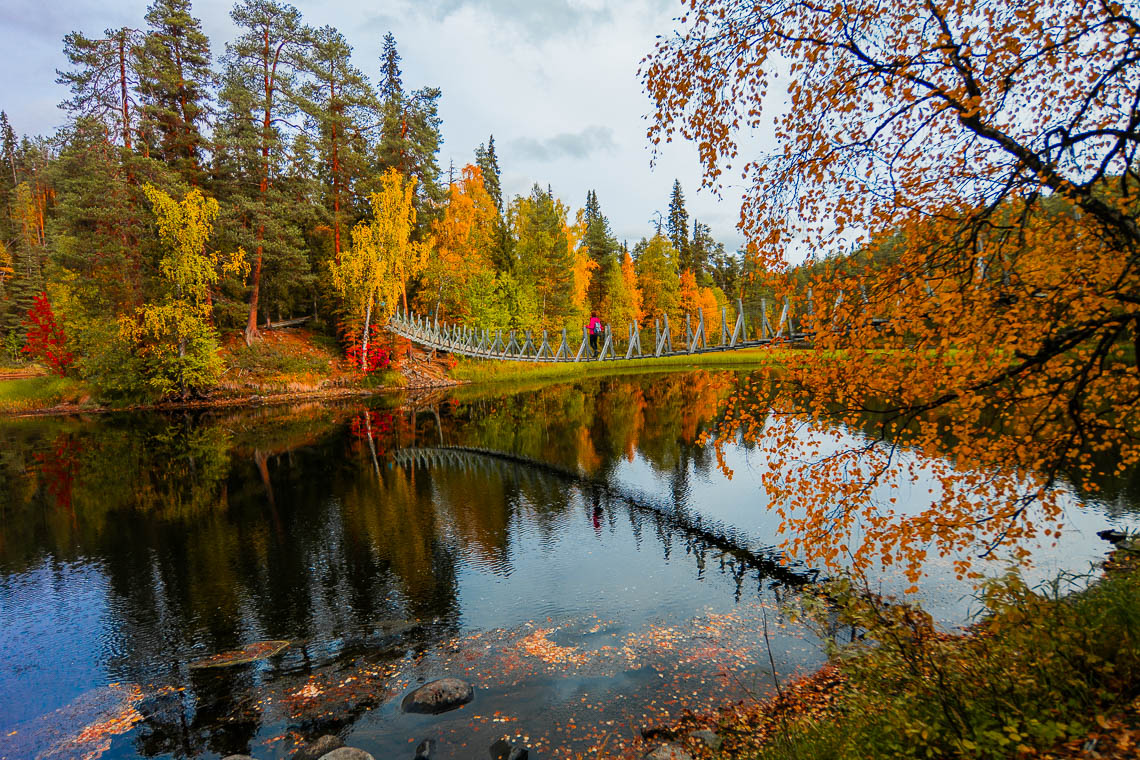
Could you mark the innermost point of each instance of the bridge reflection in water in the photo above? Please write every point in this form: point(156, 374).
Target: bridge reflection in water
point(703, 539)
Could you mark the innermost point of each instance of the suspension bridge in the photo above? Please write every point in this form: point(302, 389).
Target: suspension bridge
point(667, 339)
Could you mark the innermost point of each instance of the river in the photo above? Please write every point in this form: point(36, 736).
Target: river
point(570, 549)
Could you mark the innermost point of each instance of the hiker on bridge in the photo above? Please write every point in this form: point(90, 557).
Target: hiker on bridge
point(595, 329)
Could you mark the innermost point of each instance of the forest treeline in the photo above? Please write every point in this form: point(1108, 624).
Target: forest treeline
point(191, 193)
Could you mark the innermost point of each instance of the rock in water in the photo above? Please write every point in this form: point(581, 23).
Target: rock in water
point(502, 749)
point(258, 650)
point(319, 748)
point(669, 752)
point(438, 696)
point(424, 750)
point(347, 753)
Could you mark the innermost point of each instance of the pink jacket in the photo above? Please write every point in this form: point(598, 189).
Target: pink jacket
point(595, 326)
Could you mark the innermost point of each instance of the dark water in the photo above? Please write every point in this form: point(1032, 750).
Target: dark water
point(572, 550)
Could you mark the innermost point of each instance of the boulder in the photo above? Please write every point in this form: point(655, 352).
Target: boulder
point(318, 748)
point(424, 750)
point(438, 696)
point(503, 749)
point(668, 751)
point(347, 753)
point(709, 738)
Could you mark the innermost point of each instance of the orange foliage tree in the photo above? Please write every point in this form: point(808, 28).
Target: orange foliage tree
point(981, 160)
point(461, 269)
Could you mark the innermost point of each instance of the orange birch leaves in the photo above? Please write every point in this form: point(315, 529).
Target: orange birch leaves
point(964, 173)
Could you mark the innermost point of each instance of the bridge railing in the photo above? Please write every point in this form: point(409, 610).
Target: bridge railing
point(668, 339)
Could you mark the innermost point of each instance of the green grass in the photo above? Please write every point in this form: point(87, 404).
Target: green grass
point(30, 393)
point(496, 371)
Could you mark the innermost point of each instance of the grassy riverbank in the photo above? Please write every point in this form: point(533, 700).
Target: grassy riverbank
point(1048, 673)
point(283, 365)
point(494, 371)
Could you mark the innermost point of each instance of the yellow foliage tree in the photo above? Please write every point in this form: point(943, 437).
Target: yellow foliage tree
point(173, 337)
point(983, 159)
point(629, 279)
point(376, 268)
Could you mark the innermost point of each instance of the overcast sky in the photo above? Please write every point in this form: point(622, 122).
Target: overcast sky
point(555, 81)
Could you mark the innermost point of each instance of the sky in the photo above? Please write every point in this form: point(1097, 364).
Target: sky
point(555, 82)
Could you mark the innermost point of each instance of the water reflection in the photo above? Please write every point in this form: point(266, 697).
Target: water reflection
point(199, 533)
point(557, 545)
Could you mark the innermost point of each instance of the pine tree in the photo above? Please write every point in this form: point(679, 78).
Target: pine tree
point(602, 247)
point(698, 252)
point(409, 138)
point(103, 80)
point(488, 162)
point(175, 78)
point(8, 148)
point(335, 102)
point(544, 259)
point(259, 95)
point(726, 270)
point(677, 222)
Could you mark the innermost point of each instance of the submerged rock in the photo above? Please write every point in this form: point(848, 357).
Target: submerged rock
point(347, 753)
point(438, 696)
point(318, 748)
point(668, 751)
point(424, 750)
point(258, 650)
point(502, 749)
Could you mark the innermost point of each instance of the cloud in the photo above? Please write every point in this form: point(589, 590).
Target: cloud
point(577, 145)
point(539, 20)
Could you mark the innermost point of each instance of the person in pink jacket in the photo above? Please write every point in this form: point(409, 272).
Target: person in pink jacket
point(595, 329)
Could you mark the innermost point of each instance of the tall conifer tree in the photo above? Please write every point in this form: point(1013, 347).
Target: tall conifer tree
point(677, 222)
point(260, 94)
point(409, 138)
point(175, 78)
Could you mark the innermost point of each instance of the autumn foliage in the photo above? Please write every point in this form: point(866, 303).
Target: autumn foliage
point(45, 340)
point(962, 175)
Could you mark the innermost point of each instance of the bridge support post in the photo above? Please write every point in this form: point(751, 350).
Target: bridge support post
point(584, 347)
point(663, 339)
point(634, 340)
point(563, 348)
point(544, 350)
point(740, 329)
point(607, 345)
point(528, 344)
point(512, 345)
point(697, 340)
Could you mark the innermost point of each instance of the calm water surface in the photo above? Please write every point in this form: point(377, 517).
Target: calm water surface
point(569, 549)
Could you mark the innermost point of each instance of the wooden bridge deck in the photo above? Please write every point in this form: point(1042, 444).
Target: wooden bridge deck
point(525, 345)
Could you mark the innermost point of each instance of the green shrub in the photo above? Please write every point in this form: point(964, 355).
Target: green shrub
point(1038, 668)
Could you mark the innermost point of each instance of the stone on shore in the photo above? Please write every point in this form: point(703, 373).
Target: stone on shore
point(668, 751)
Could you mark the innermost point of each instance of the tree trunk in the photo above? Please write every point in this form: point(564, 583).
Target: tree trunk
point(123, 88)
point(364, 338)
